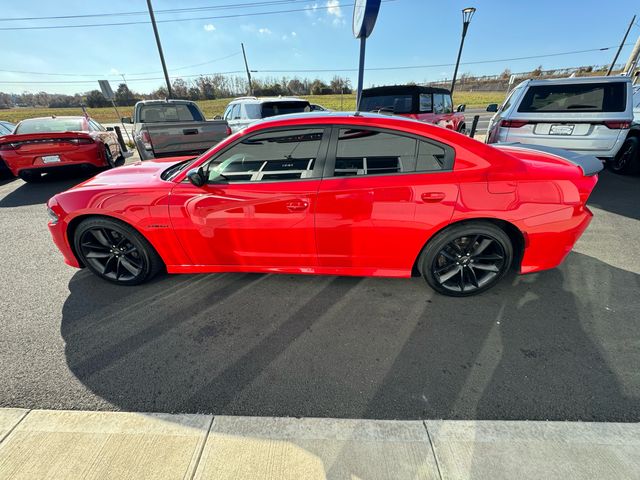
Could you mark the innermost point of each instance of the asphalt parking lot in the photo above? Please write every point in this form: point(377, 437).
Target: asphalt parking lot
point(558, 345)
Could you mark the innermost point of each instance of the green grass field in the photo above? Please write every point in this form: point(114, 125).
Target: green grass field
point(211, 108)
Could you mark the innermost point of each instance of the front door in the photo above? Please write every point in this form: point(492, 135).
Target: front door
point(257, 208)
point(384, 195)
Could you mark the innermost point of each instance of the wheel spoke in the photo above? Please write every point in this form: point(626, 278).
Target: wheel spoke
point(447, 255)
point(472, 276)
point(492, 257)
point(130, 266)
point(487, 267)
point(101, 237)
point(94, 246)
point(483, 246)
point(450, 274)
point(461, 279)
point(471, 244)
point(98, 254)
point(107, 264)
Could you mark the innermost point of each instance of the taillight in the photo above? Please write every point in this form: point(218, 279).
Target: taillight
point(616, 125)
point(228, 131)
point(81, 141)
point(146, 140)
point(513, 123)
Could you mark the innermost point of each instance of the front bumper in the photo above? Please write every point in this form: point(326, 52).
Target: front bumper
point(550, 237)
point(58, 231)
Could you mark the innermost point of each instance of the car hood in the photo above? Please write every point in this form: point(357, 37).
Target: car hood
point(138, 174)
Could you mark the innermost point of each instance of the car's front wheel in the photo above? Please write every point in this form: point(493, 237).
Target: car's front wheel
point(111, 162)
point(466, 259)
point(115, 251)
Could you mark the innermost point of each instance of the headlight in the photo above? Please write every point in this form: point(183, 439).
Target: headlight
point(53, 218)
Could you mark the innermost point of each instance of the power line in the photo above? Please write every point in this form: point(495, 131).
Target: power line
point(117, 75)
point(337, 69)
point(74, 82)
point(165, 11)
point(219, 17)
point(405, 67)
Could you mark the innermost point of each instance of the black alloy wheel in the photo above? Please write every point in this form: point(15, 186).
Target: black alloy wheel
point(467, 259)
point(627, 160)
point(116, 252)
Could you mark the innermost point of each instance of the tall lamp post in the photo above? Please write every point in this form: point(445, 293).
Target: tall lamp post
point(467, 13)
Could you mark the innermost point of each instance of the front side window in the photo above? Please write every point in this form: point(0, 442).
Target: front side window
point(283, 155)
point(235, 112)
point(371, 152)
point(426, 104)
point(438, 103)
point(448, 105)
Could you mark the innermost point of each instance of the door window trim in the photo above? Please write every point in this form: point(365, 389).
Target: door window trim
point(318, 169)
point(330, 162)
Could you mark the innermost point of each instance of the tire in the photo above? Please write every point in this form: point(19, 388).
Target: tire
point(111, 162)
point(462, 129)
point(30, 177)
point(115, 251)
point(627, 160)
point(466, 259)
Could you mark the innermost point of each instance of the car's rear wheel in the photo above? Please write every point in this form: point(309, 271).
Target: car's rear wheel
point(30, 177)
point(115, 251)
point(627, 159)
point(466, 259)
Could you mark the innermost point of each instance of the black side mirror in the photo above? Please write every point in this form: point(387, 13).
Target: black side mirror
point(110, 129)
point(196, 177)
point(492, 107)
point(217, 117)
point(461, 108)
point(126, 120)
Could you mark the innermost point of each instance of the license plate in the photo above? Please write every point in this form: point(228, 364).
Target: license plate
point(561, 129)
point(51, 159)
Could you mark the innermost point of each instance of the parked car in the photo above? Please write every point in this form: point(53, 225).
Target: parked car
point(168, 128)
point(427, 104)
point(583, 114)
point(337, 194)
point(314, 107)
point(627, 160)
point(6, 128)
point(42, 145)
point(243, 111)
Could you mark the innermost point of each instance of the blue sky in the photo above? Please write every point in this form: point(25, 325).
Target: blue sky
point(408, 32)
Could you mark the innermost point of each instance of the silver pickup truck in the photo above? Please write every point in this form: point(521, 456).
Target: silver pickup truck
point(173, 128)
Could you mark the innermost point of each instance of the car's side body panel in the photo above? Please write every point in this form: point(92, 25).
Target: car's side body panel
point(369, 225)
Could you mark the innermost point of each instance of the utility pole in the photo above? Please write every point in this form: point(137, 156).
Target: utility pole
point(246, 65)
point(624, 39)
point(632, 63)
point(164, 65)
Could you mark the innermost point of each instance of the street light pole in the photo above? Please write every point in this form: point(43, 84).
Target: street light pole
point(164, 65)
point(467, 13)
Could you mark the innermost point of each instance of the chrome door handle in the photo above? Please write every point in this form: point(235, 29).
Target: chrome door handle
point(297, 206)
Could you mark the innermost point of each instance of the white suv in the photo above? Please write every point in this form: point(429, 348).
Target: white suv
point(243, 111)
point(588, 115)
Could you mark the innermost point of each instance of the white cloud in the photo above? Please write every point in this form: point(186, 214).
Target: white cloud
point(333, 8)
point(114, 71)
point(264, 31)
point(209, 27)
point(311, 9)
point(294, 34)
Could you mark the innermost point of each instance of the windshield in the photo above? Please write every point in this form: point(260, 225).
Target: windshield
point(389, 103)
point(170, 112)
point(50, 125)
point(173, 170)
point(576, 97)
point(272, 109)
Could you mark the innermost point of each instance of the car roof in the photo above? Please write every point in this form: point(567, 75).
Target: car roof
point(399, 89)
point(570, 80)
point(56, 117)
point(328, 117)
point(267, 99)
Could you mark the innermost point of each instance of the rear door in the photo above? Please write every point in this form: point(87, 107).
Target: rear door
point(383, 195)
point(257, 208)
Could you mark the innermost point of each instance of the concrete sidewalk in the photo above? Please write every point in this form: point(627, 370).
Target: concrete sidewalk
point(37, 444)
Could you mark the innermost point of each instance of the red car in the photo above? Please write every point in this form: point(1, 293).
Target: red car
point(336, 194)
point(427, 104)
point(41, 145)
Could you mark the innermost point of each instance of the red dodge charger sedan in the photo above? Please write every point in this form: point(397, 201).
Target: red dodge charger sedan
point(41, 145)
point(337, 194)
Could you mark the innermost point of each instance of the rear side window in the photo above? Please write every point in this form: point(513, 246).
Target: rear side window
point(388, 103)
point(585, 97)
point(425, 102)
point(371, 152)
point(156, 113)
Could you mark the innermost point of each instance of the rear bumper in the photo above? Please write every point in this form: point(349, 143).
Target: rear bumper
point(550, 237)
point(33, 163)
